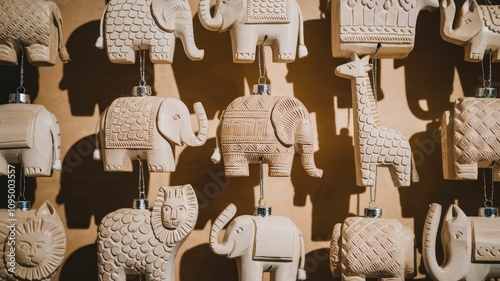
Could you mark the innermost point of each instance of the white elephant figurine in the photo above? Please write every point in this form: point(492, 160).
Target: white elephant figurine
point(146, 127)
point(134, 25)
point(29, 135)
point(372, 248)
point(470, 138)
point(271, 128)
point(34, 26)
point(250, 21)
point(386, 28)
point(139, 241)
point(32, 243)
point(477, 28)
point(260, 244)
point(471, 245)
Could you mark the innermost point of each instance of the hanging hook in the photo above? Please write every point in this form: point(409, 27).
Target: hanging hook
point(262, 209)
point(142, 202)
point(20, 96)
point(261, 88)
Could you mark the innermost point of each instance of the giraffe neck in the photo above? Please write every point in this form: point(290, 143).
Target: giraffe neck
point(364, 102)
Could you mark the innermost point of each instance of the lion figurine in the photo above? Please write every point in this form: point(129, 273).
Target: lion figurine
point(32, 244)
point(133, 241)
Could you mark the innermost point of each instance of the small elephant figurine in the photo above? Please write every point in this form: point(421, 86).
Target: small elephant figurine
point(29, 135)
point(250, 21)
point(36, 27)
point(134, 25)
point(146, 128)
point(477, 28)
point(372, 248)
point(260, 244)
point(134, 241)
point(385, 28)
point(471, 245)
point(32, 244)
point(270, 128)
point(470, 138)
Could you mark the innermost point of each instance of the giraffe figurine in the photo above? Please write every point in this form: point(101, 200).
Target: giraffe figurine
point(374, 145)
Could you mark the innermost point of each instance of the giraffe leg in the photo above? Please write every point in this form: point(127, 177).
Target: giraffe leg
point(368, 174)
point(400, 172)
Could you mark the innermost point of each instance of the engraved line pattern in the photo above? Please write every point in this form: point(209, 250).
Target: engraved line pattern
point(268, 11)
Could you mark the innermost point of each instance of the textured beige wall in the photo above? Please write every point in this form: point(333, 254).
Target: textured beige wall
point(412, 96)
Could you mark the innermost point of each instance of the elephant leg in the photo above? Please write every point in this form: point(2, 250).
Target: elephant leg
point(249, 270)
point(285, 272)
point(117, 160)
point(466, 171)
point(4, 166)
point(285, 46)
point(161, 160)
point(280, 165)
point(244, 43)
point(8, 52)
point(352, 278)
point(37, 54)
point(401, 278)
point(161, 50)
point(125, 54)
point(37, 161)
point(236, 165)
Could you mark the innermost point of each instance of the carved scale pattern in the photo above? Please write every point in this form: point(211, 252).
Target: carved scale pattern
point(268, 11)
point(134, 241)
point(476, 130)
point(131, 122)
point(491, 17)
point(370, 247)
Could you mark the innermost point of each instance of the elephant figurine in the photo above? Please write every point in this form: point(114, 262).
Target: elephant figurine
point(275, 23)
point(29, 135)
point(36, 27)
point(471, 245)
point(385, 28)
point(477, 28)
point(365, 247)
point(146, 128)
point(139, 241)
point(269, 128)
point(32, 243)
point(135, 25)
point(260, 244)
point(470, 138)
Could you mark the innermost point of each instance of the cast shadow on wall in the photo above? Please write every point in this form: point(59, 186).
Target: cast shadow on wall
point(429, 74)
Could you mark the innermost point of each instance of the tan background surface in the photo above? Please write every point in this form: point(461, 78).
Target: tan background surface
point(413, 94)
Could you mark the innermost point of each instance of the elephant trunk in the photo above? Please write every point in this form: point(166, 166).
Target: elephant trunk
point(184, 29)
point(206, 19)
point(449, 270)
point(307, 158)
point(226, 247)
point(187, 134)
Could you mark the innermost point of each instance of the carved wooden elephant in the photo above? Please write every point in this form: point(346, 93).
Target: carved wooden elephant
point(260, 244)
point(270, 128)
point(477, 28)
point(133, 241)
point(146, 128)
point(35, 26)
point(29, 135)
point(358, 27)
point(471, 245)
point(372, 248)
point(133, 25)
point(470, 138)
point(33, 246)
point(250, 21)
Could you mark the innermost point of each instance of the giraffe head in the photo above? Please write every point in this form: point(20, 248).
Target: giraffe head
point(356, 68)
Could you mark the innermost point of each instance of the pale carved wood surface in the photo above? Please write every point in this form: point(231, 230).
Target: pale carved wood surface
point(270, 128)
point(374, 145)
point(358, 26)
point(146, 242)
point(35, 26)
point(373, 248)
point(40, 244)
point(470, 138)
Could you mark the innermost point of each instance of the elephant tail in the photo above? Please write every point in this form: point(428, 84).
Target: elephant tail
point(56, 142)
point(302, 47)
point(414, 173)
point(216, 156)
point(100, 41)
point(301, 275)
point(97, 151)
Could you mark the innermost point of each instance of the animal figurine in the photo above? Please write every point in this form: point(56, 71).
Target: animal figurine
point(32, 244)
point(139, 241)
point(35, 26)
point(374, 145)
point(364, 247)
point(134, 25)
point(270, 128)
point(251, 21)
point(470, 138)
point(384, 27)
point(477, 28)
point(29, 135)
point(146, 128)
point(260, 244)
point(471, 245)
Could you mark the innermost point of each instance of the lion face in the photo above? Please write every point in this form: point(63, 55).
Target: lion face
point(32, 248)
point(174, 212)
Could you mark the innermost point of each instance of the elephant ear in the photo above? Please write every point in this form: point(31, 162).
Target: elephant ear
point(285, 116)
point(164, 12)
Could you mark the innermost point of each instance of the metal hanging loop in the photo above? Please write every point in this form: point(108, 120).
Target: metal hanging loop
point(142, 89)
point(20, 95)
point(374, 72)
point(486, 91)
point(261, 88)
point(142, 202)
point(22, 203)
point(373, 211)
point(488, 210)
point(262, 209)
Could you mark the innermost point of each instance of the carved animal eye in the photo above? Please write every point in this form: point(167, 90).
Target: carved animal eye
point(239, 230)
point(458, 234)
point(176, 117)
